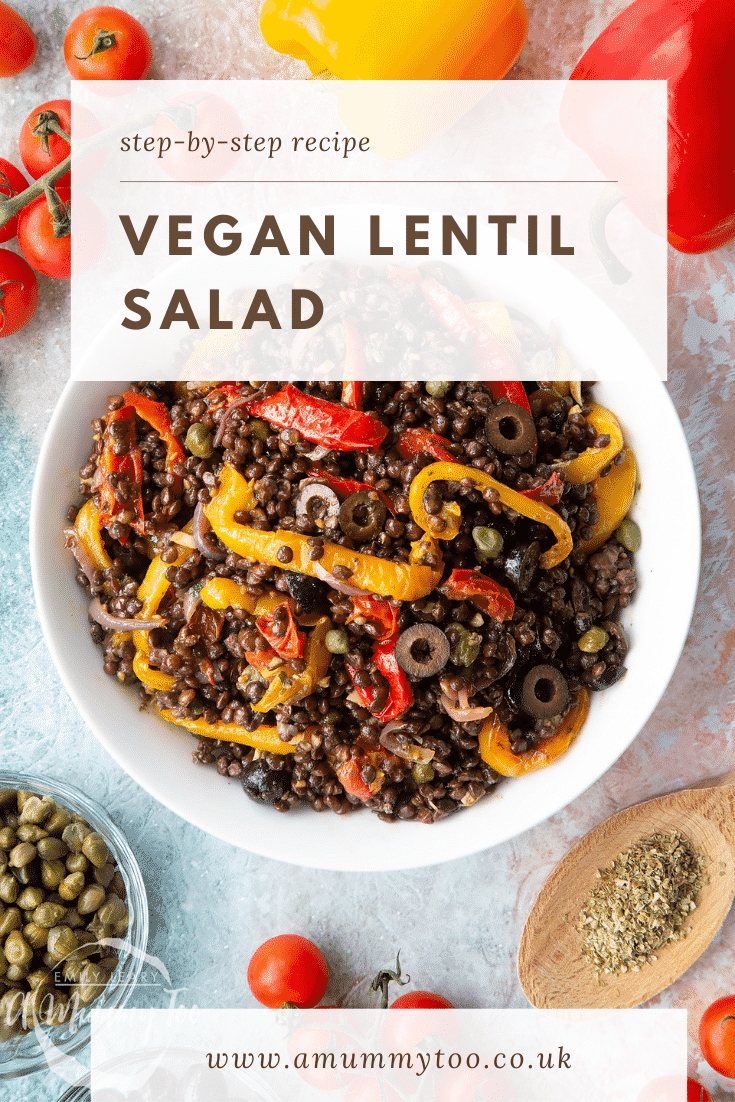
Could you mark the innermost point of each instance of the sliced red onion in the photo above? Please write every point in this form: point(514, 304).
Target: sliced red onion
point(190, 602)
point(464, 715)
point(341, 587)
point(318, 453)
point(199, 530)
point(300, 342)
point(463, 698)
point(101, 616)
point(97, 479)
point(237, 404)
point(77, 548)
point(447, 688)
point(401, 746)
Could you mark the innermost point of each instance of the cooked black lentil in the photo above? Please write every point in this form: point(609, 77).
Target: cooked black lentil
point(204, 649)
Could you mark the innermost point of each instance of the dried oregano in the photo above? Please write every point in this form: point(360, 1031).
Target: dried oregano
point(640, 902)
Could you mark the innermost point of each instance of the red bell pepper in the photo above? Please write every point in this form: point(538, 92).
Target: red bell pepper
point(291, 643)
point(321, 421)
point(550, 492)
point(482, 591)
point(381, 612)
point(400, 696)
point(689, 43)
point(223, 395)
point(130, 466)
point(157, 416)
point(490, 356)
point(413, 442)
point(352, 395)
point(347, 486)
point(263, 659)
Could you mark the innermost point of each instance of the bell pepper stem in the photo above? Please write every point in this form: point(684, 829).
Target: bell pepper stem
point(606, 202)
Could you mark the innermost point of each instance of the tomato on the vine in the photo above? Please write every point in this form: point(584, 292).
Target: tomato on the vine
point(717, 1035)
point(41, 151)
point(18, 293)
point(47, 254)
point(288, 969)
point(106, 43)
point(421, 1000)
point(17, 42)
point(12, 181)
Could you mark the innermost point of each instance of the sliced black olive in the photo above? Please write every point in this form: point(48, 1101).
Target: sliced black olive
point(362, 516)
point(316, 500)
point(308, 592)
point(510, 429)
point(422, 650)
point(609, 676)
point(521, 563)
point(545, 692)
point(264, 784)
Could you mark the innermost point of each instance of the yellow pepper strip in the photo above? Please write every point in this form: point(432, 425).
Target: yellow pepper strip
point(87, 525)
point(224, 593)
point(151, 592)
point(494, 742)
point(288, 685)
point(589, 463)
point(496, 319)
point(535, 510)
point(404, 581)
point(613, 496)
point(262, 738)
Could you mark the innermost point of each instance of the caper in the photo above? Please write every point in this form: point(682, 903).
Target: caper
point(51, 849)
point(260, 429)
point(118, 880)
point(11, 1009)
point(7, 838)
point(629, 535)
point(40, 977)
point(30, 898)
point(11, 920)
point(92, 982)
point(74, 836)
point(9, 889)
point(436, 389)
point(61, 941)
point(72, 970)
point(104, 874)
point(422, 772)
point(59, 1008)
point(3, 963)
point(52, 873)
point(92, 897)
point(200, 441)
point(75, 920)
point(30, 832)
point(71, 886)
point(112, 910)
point(36, 936)
point(488, 541)
point(17, 950)
point(330, 717)
point(87, 947)
point(95, 848)
point(77, 862)
point(337, 641)
point(21, 854)
point(466, 648)
point(22, 798)
point(48, 914)
point(28, 874)
point(593, 640)
point(58, 822)
point(36, 810)
point(16, 972)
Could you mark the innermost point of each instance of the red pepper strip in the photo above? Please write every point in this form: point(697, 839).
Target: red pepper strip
point(157, 416)
point(262, 660)
point(413, 442)
point(355, 367)
point(351, 395)
point(227, 392)
point(347, 486)
point(484, 593)
point(490, 356)
point(288, 645)
point(348, 773)
point(320, 421)
point(129, 465)
point(400, 697)
point(382, 612)
point(512, 390)
point(403, 276)
point(550, 492)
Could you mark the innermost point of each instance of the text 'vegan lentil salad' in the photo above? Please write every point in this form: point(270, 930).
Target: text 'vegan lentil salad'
point(384, 594)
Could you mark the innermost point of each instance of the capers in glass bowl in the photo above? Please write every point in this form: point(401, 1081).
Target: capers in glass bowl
point(74, 922)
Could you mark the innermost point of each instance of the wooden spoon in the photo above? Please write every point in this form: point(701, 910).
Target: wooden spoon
point(552, 970)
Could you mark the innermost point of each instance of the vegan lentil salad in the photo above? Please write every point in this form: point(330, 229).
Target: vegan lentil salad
point(386, 595)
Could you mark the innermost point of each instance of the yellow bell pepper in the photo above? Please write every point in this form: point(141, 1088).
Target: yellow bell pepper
point(87, 525)
point(494, 742)
point(264, 738)
point(404, 581)
point(535, 510)
point(613, 496)
point(224, 593)
point(286, 685)
point(586, 466)
point(151, 592)
point(385, 40)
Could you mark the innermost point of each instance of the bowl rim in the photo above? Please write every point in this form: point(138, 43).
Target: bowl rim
point(32, 1055)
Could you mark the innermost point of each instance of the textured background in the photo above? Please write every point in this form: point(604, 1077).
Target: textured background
point(457, 924)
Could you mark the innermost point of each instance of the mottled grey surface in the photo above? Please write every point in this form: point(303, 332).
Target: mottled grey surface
point(457, 924)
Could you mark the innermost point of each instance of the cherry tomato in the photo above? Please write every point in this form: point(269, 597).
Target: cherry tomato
point(288, 969)
point(40, 153)
point(18, 293)
point(55, 256)
point(107, 44)
point(717, 1035)
point(212, 118)
point(17, 42)
point(11, 183)
point(421, 1000)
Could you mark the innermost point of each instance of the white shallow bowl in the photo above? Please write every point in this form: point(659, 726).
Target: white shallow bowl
point(158, 755)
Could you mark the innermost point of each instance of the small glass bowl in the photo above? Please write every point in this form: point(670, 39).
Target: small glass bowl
point(24, 1054)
